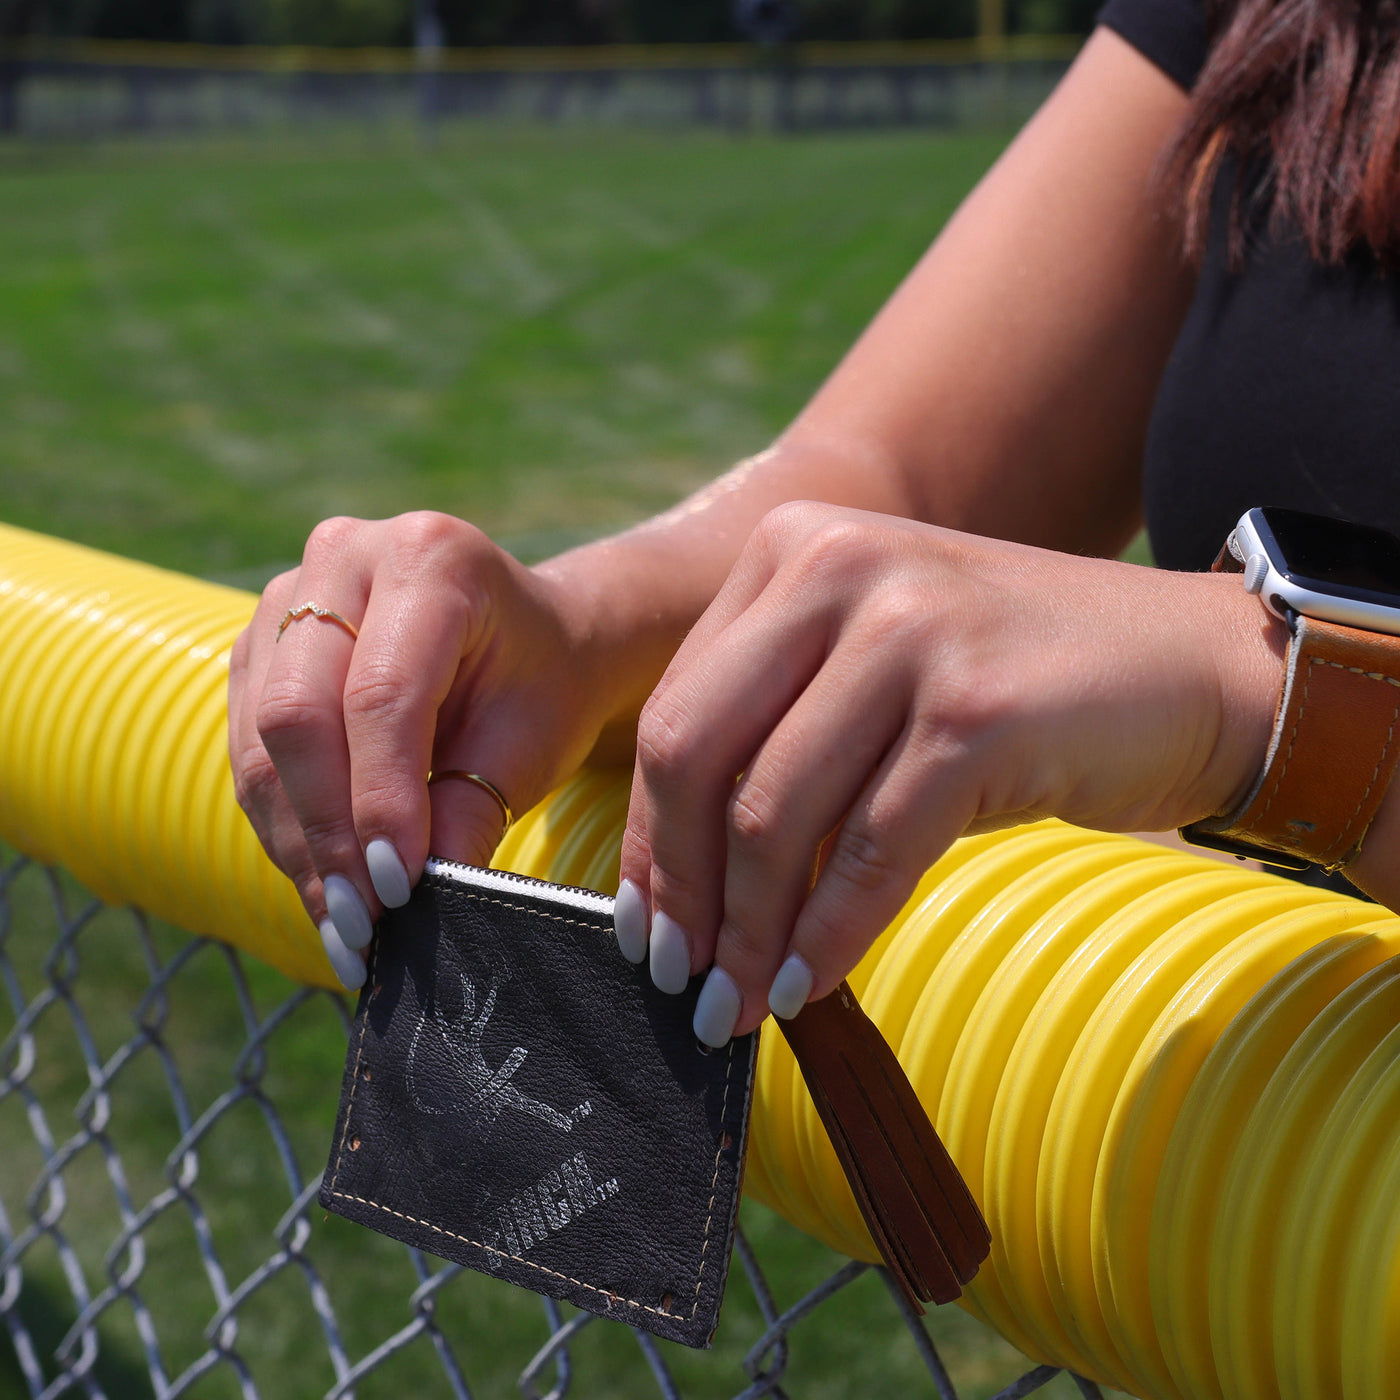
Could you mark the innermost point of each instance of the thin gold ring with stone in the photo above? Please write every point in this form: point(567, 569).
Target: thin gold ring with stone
point(316, 610)
point(484, 784)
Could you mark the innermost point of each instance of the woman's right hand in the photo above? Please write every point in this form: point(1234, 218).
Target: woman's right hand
point(464, 659)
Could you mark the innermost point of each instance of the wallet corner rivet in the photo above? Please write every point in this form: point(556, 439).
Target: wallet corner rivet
point(726, 1141)
point(355, 1143)
point(365, 1073)
point(667, 1301)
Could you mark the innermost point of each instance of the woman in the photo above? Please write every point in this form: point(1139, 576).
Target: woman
point(905, 621)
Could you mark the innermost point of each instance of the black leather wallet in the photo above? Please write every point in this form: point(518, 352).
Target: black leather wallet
point(521, 1099)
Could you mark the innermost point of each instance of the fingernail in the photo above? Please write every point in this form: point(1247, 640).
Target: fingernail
point(717, 1009)
point(347, 965)
point(387, 873)
point(347, 912)
point(630, 921)
point(670, 954)
point(791, 988)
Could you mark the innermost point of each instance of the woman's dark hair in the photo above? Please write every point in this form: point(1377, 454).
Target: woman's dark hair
point(1304, 97)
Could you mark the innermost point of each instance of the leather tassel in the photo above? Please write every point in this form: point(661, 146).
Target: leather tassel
point(921, 1215)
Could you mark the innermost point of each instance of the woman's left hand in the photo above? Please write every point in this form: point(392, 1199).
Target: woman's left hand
point(883, 687)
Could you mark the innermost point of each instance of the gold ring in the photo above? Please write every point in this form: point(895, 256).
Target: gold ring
point(483, 783)
point(316, 610)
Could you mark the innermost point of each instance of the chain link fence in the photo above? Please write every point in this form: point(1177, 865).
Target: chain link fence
point(165, 1107)
point(108, 91)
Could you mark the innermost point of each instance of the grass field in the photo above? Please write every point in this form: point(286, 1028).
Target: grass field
point(205, 349)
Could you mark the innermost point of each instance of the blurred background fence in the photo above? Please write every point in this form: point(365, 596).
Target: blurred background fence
point(88, 90)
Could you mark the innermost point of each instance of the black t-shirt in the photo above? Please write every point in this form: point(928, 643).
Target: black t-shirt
point(1284, 384)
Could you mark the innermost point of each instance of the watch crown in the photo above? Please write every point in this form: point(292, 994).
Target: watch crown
point(1256, 570)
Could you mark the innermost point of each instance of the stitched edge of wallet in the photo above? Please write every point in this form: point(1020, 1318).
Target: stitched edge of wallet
point(458, 887)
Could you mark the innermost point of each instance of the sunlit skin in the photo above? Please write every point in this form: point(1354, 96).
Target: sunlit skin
point(901, 622)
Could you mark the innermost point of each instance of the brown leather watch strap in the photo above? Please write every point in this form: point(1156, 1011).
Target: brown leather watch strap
point(1333, 751)
point(921, 1215)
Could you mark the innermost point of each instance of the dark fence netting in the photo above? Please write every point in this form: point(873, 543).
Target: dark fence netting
point(50, 97)
point(165, 1109)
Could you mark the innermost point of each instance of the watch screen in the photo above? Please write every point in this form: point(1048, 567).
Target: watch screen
point(1333, 554)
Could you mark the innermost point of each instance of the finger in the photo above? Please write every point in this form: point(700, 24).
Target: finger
point(665, 733)
point(922, 798)
point(800, 786)
point(257, 786)
point(276, 825)
point(424, 613)
point(467, 821)
point(695, 737)
point(300, 719)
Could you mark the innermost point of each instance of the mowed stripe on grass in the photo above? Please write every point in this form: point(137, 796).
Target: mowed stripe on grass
point(205, 349)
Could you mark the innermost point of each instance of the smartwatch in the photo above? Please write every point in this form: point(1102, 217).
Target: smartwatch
point(1337, 729)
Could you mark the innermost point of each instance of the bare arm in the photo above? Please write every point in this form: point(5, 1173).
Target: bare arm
point(1004, 389)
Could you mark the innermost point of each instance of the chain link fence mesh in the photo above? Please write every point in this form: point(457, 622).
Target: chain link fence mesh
point(102, 94)
point(165, 1107)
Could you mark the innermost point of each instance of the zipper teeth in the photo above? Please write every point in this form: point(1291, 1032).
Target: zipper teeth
point(440, 865)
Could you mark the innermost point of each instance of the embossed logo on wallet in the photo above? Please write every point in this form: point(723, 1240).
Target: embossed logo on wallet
point(521, 1099)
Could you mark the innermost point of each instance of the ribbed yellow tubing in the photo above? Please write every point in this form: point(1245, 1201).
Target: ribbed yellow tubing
point(1174, 1086)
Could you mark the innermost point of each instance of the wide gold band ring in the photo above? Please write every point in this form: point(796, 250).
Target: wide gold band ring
point(483, 783)
point(316, 610)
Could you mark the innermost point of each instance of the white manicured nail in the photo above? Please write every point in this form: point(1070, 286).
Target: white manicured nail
point(387, 873)
point(347, 912)
point(670, 954)
point(717, 1009)
point(630, 921)
point(791, 988)
point(347, 965)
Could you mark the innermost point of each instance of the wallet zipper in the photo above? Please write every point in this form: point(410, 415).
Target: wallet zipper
point(502, 881)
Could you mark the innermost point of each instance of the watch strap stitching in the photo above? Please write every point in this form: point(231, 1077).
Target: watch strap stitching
point(1347, 843)
point(1287, 758)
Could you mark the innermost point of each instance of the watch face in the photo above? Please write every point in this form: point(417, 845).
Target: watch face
point(1332, 556)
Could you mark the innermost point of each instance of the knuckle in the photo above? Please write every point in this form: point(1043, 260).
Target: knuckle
point(288, 715)
point(863, 859)
point(332, 536)
point(327, 833)
point(893, 614)
point(959, 716)
point(789, 522)
point(743, 949)
point(754, 818)
point(238, 654)
point(378, 691)
point(676, 892)
point(431, 532)
point(667, 747)
point(279, 590)
point(255, 780)
point(792, 517)
point(842, 543)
